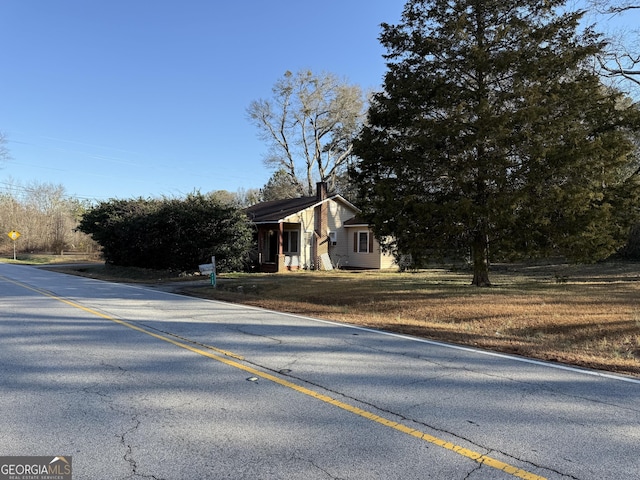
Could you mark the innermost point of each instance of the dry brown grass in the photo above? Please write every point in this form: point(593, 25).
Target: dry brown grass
point(586, 316)
point(581, 315)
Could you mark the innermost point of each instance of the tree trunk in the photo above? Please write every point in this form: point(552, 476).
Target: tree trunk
point(479, 249)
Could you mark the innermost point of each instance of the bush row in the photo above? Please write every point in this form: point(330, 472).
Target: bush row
point(175, 234)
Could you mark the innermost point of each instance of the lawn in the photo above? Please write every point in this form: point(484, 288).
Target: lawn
point(581, 315)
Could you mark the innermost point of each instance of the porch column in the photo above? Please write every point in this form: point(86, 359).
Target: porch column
point(280, 263)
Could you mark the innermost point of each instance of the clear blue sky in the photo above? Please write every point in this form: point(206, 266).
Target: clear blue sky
point(128, 98)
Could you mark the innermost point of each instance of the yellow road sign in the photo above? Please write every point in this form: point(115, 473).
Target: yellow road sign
point(13, 235)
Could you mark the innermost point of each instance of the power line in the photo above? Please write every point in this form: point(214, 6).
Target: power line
point(13, 189)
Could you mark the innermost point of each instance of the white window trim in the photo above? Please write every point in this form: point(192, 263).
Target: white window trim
point(367, 233)
point(286, 248)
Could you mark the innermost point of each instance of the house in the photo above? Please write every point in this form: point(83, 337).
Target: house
point(320, 232)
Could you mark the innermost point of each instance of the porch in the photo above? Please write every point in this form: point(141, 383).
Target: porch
point(279, 247)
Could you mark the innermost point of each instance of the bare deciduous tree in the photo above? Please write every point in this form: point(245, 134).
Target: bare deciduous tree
point(45, 217)
point(4, 151)
point(614, 6)
point(621, 59)
point(309, 125)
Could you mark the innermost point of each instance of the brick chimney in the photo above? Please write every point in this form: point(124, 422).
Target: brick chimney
point(321, 191)
point(320, 243)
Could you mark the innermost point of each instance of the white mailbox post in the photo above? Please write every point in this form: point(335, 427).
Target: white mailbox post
point(209, 269)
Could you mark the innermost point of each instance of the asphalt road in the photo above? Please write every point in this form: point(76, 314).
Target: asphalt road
point(137, 383)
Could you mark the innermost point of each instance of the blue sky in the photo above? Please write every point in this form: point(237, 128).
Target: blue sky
point(129, 98)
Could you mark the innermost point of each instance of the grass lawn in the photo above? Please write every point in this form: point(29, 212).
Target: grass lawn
point(581, 315)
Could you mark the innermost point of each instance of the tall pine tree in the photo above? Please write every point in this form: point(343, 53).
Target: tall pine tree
point(494, 137)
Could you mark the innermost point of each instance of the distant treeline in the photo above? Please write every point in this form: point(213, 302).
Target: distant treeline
point(46, 219)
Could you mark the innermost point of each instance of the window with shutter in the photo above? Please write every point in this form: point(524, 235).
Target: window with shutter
point(362, 242)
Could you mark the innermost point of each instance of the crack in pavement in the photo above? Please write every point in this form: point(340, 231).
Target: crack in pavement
point(128, 456)
point(105, 397)
point(241, 330)
point(316, 466)
point(477, 468)
point(129, 450)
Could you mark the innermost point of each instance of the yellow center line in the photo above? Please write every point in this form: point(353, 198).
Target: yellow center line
point(475, 456)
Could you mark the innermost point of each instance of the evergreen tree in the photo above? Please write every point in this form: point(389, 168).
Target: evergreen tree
point(280, 187)
point(493, 137)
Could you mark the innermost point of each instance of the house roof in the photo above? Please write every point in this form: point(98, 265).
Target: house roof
point(277, 210)
point(356, 221)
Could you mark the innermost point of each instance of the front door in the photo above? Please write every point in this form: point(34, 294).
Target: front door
point(272, 246)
